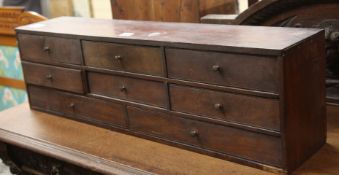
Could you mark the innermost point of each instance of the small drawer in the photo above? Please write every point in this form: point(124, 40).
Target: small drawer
point(242, 71)
point(55, 77)
point(74, 106)
point(135, 90)
point(227, 140)
point(44, 49)
point(135, 59)
point(248, 110)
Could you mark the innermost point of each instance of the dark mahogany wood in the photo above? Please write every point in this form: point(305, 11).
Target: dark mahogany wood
point(97, 111)
point(254, 111)
point(306, 107)
point(56, 77)
point(297, 13)
point(258, 147)
point(142, 91)
point(245, 71)
point(234, 39)
point(127, 58)
point(49, 50)
point(226, 91)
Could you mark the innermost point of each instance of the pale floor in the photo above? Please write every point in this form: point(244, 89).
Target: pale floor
point(4, 170)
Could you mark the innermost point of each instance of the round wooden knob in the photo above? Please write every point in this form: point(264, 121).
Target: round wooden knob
point(123, 88)
point(49, 77)
point(194, 132)
point(216, 68)
point(47, 49)
point(118, 57)
point(71, 105)
point(218, 106)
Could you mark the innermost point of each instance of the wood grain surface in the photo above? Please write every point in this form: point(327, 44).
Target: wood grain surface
point(52, 135)
point(236, 39)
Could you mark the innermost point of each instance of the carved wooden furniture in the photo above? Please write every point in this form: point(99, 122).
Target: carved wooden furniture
point(10, 18)
point(174, 10)
point(41, 138)
point(213, 89)
point(297, 13)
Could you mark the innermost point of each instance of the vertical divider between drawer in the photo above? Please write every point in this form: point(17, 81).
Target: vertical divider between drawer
point(83, 70)
point(281, 67)
point(165, 72)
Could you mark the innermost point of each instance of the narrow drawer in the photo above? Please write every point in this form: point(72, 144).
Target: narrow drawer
point(248, 110)
point(55, 77)
point(94, 110)
point(136, 59)
point(242, 71)
point(135, 90)
point(253, 146)
point(44, 49)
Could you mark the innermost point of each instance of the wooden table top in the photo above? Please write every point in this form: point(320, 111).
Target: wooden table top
point(242, 39)
point(115, 153)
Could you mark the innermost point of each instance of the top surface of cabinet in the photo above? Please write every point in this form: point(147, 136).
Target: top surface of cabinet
point(238, 39)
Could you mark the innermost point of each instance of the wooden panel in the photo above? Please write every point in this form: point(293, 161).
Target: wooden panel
point(242, 71)
point(235, 39)
point(227, 140)
point(173, 10)
point(12, 17)
point(242, 109)
point(49, 49)
point(137, 90)
point(304, 101)
point(156, 10)
point(127, 58)
point(55, 77)
point(96, 111)
point(218, 7)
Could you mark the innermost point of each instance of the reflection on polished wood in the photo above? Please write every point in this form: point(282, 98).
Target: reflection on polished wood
point(113, 153)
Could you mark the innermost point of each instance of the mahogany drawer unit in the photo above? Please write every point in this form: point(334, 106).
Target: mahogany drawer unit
point(129, 58)
point(74, 106)
point(50, 50)
point(252, 95)
point(51, 76)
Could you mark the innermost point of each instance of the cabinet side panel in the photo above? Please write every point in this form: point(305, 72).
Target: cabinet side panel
point(304, 100)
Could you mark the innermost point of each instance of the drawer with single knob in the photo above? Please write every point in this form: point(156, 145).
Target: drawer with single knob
point(243, 109)
point(127, 58)
point(51, 50)
point(231, 141)
point(79, 107)
point(234, 70)
point(55, 77)
point(126, 88)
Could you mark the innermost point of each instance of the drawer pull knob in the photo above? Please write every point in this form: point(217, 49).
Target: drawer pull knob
point(55, 170)
point(118, 57)
point(49, 77)
point(71, 105)
point(194, 133)
point(47, 49)
point(123, 89)
point(218, 106)
point(216, 68)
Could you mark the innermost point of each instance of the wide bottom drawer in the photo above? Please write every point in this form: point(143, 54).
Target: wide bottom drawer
point(226, 140)
point(74, 106)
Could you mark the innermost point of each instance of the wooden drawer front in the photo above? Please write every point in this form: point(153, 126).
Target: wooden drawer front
point(45, 49)
point(253, 146)
point(254, 111)
point(243, 71)
point(136, 59)
point(56, 77)
point(136, 90)
point(95, 110)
